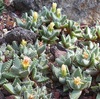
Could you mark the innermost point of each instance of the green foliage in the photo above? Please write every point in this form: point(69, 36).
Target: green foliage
point(25, 65)
point(24, 90)
point(1, 6)
point(58, 73)
point(49, 36)
point(78, 81)
point(68, 42)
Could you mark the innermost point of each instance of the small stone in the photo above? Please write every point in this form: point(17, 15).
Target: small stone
point(17, 34)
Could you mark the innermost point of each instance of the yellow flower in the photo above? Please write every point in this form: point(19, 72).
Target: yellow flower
point(63, 70)
point(35, 16)
point(24, 42)
point(51, 25)
point(26, 62)
point(85, 55)
point(77, 81)
point(54, 6)
point(58, 12)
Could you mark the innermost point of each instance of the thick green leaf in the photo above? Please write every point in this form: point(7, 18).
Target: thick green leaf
point(17, 62)
point(98, 96)
point(24, 73)
point(41, 49)
point(9, 88)
point(8, 75)
point(6, 66)
point(19, 22)
point(16, 80)
point(56, 71)
point(77, 73)
point(75, 94)
point(3, 81)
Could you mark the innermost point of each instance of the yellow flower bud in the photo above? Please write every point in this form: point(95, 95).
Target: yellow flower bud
point(26, 62)
point(63, 70)
point(51, 25)
point(58, 12)
point(85, 55)
point(35, 16)
point(77, 81)
point(24, 42)
point(54, 6)
point(76, 24)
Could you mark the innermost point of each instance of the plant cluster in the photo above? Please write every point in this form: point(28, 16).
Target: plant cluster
point(25, 65)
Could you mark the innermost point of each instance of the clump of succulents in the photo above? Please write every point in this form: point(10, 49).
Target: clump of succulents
point(25, 90)
point(24, 66)
point(54, 14)
point(22, 61)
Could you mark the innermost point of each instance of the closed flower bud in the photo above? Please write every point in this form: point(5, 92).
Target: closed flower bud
point(35, 16)
point(24, 42)
point(51, 25)
point(54, 6)
point(63, 70)
point(58, 12)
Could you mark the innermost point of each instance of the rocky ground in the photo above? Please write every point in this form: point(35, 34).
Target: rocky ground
point(84, 11)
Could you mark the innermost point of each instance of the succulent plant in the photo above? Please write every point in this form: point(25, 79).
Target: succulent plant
point(60, 73)
point(48, 34)
point(86, 57)
point(73, 29)
point(41, 70)
point(66, 59)
point(25, 90)
point(90, 34)
point(29, 21)
point(68, 42)
point(28, 49)
point(23, 60)
point(54, 15)
point(78, 81)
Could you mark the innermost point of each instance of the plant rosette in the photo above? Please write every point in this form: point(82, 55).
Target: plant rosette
point(61, 73)
point(78, 82)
